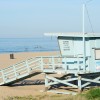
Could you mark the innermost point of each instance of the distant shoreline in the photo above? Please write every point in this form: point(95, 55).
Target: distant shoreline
point(10, 52)
point(28, 45)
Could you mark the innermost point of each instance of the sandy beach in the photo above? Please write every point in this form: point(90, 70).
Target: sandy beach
point(22, 89)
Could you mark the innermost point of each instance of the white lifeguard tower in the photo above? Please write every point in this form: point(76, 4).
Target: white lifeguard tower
point(80, 60)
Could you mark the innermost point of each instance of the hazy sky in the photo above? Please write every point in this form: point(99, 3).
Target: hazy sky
point(30, 18)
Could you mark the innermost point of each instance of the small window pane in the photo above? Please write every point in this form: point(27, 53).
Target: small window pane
point(97, 54)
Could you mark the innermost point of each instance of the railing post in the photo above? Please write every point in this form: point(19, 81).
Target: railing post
point(53, 63)
point(3, 76)
point(65, 64)
point(50, 60)
point(78, 63)
point(15, 71)
point(27, 65)
point(88, 59)
point(42, 63)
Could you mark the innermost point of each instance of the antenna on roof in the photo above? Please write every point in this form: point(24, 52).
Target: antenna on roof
point(84, 45)
point(84, 53)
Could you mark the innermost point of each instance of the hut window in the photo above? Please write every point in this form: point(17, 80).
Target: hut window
point(97, 54)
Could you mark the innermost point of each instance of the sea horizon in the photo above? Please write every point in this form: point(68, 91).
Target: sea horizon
point(34, 44)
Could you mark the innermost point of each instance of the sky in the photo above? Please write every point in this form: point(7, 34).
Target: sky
point(33, 18)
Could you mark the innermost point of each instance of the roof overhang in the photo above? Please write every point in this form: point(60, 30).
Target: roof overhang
point(74, 34)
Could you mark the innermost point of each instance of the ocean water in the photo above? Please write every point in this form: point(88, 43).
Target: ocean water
point(12, 45)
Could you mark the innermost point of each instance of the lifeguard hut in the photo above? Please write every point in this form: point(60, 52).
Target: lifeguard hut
point(79, 59)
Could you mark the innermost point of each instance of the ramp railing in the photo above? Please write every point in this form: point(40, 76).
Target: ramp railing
point(19, 70)
point(48, 64)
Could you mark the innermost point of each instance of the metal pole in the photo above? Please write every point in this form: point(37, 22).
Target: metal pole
point(84, 53)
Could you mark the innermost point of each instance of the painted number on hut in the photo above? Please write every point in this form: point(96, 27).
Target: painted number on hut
point(66, 45)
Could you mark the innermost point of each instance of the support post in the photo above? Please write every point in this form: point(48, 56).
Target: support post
point(46, 83)
point(79, 84)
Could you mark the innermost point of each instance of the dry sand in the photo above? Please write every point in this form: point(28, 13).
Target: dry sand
point(22, 89)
